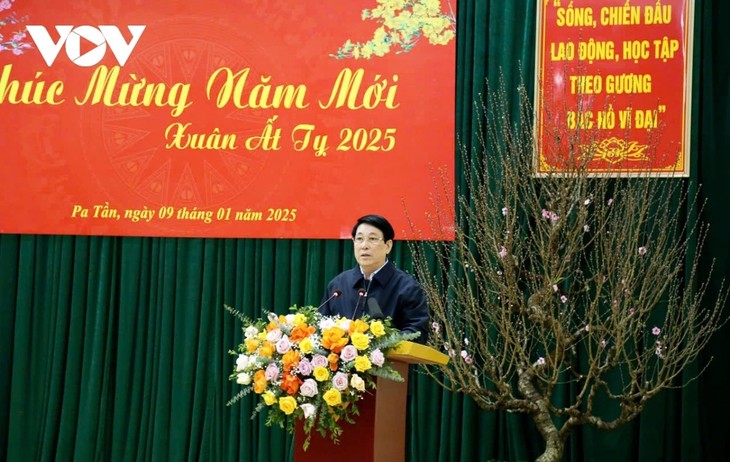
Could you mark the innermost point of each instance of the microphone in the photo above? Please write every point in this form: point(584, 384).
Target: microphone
point(374, 309)
point(360, 295)
point(335, 293)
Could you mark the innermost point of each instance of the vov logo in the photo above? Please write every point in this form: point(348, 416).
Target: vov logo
point(71, 37)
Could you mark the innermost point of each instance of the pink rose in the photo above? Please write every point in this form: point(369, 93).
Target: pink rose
point(274, 335)
point(377, 358)
point(272, 372)
point(308, 388)
point(283, 345)
point(305, 367)
point(349, 353)
point(340, 381)
point(320, 361)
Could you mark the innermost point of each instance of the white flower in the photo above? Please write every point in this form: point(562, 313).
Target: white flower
point(642, 250)
point(504, 211)
point(563, 298)
point(656, 331)
point(659, 352)
point(357, 382)
point(251, 332)
point(586, 228)
point(464, 354)
point(310, 410)
point(289, 319)
point(587, 201)
point(502, 251)
point(244, 378)
point(242, 362)
point(326, 323)
point(344, 323)
point(540, 361)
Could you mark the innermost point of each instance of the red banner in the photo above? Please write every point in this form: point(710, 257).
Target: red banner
point(613, 85)
point(285, 119)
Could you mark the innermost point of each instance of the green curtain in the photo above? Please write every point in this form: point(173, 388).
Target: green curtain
point(115, 349)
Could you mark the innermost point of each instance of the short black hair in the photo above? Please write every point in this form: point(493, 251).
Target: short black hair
point(377, 221)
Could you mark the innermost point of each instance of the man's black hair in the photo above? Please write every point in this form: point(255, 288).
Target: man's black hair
point(377, 221)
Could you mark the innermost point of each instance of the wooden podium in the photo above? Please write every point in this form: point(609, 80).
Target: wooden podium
point(379, 432)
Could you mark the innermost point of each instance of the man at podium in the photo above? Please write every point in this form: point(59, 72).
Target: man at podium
point(375, 286)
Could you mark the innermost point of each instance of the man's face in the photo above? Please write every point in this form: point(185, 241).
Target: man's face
point(370, 249)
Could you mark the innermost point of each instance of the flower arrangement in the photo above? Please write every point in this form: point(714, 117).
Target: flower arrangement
point(310, 367)
point(16, 41)
point(403, 23)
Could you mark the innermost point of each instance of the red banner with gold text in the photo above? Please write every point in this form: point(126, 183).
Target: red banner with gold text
point(284, 119)
point(613, 85)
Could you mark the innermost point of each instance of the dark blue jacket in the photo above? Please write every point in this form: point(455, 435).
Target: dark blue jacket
point(397, 293)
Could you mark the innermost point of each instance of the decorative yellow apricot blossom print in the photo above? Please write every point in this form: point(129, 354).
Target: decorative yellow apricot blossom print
point(403, 23)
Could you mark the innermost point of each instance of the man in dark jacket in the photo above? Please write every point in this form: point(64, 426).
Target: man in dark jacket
point(375, 286)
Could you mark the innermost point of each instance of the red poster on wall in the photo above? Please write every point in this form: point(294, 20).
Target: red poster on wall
point(223, 118)
point(613, 86)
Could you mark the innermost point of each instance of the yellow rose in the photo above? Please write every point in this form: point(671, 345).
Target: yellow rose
point(269, 398)
point(377, 328)
point(262, 336)
point(267, 350)
point(360, 340)
point(359, 325)
point(362, 363)
point(321, 374)
point(332, 397)
point(298, 319)
point(251, 344)
point(305, 346)
point(287, 404)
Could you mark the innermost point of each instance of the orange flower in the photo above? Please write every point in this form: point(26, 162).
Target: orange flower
point(290, 383)
point(358, 326)
point(333, 359)
point(334, 339)
point(301, 332)
point(290, 360)
point(259, 381)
